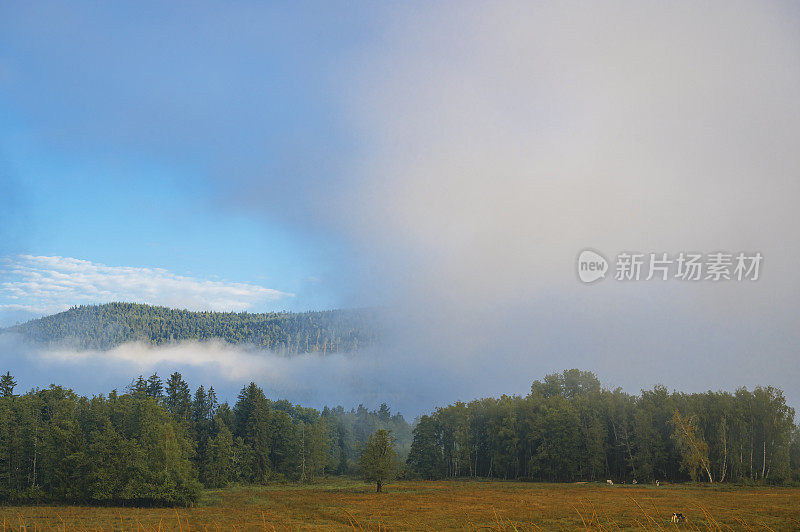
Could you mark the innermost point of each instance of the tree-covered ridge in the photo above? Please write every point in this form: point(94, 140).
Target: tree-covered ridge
point(570, 429)
point(159, 443)
point(107, 326)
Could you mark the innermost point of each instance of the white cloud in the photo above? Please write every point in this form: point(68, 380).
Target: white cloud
point(310, 379)
point(39, 285)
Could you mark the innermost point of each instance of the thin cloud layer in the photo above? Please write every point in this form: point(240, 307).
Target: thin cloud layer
point(39, 285)
point(309, 379)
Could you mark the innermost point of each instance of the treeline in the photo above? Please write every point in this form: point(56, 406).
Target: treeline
point(570, 429)
point(160, 444)
point(107, 326)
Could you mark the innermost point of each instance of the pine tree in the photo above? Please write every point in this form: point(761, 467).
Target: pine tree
point(7, 384)
point(155, 388)
point(178, 398)
point(201, 406)
point(218, 465)
point(285, 447)
point(252, 418)
point(138, 388)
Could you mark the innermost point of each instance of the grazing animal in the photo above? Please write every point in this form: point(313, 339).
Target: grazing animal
point(634, 481)
point(658, 483)
point(678, 518)
point(610, 482)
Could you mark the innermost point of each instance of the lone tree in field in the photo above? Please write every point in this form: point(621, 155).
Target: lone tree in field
point(378, 460)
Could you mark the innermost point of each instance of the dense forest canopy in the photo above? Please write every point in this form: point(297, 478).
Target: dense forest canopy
point(159, 443)
point(107, 326)
point(571, 429)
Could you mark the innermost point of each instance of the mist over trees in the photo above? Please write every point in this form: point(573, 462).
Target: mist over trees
point(571, 429)
point(158, 443)
point(106, 326)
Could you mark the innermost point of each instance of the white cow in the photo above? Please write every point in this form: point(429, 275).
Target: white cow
point(610, 482)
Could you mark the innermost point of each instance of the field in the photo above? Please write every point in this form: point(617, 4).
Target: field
point(351, 505)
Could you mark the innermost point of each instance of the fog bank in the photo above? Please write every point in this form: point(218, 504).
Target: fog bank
point(473, 150)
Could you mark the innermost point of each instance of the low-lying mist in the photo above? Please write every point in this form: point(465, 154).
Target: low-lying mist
point(368, 376)
point(348, 379)
point(417, 373)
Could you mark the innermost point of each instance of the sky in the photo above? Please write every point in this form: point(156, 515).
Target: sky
point(444, 161)
point(123, 131)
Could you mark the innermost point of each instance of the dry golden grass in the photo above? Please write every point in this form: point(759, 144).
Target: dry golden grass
point(349, 505)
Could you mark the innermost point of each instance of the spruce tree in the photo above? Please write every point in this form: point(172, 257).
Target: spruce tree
point(7, 384)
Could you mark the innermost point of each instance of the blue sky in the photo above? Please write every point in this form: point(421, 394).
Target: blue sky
point(445, 160)
point(130, 134)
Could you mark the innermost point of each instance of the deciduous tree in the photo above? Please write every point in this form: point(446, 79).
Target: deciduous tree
point(378, 460)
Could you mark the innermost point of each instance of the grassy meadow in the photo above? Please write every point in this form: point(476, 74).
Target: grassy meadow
point(343, 504)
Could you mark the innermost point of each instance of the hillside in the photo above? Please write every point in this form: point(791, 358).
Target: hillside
point(112, 324)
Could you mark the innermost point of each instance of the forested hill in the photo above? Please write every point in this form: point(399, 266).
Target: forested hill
point(112, 324)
